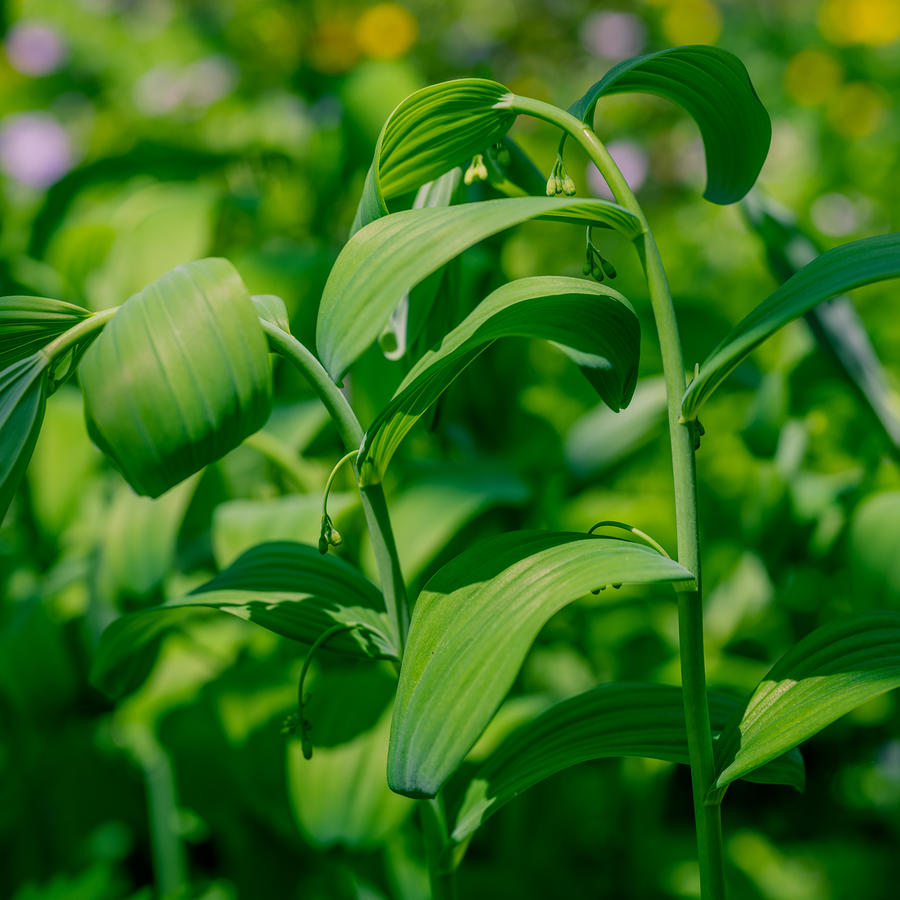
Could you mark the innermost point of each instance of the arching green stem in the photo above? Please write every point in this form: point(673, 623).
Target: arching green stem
point(85, 328)
point(690, 607)
point(635, 531)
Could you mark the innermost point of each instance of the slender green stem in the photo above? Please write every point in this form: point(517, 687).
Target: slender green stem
point(372, 495)
point(79, 332)
point(334, 472)
point(434, 828)
point(690, 607)
point(608, 523)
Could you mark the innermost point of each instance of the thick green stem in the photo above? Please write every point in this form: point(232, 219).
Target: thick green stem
point(85, 328)
point(690, 607)
point(434, 828)
point(373, 499)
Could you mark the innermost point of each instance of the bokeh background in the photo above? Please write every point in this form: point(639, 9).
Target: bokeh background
point(139, 134)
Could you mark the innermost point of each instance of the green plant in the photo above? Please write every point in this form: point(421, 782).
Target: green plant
point(179, 375)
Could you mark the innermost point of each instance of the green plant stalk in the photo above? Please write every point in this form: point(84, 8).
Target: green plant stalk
point(690, 605)
point(83, 329)
point(434, 829)
point(373, 500)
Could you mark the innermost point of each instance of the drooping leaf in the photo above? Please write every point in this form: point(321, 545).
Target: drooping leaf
point(179, 377)
point(713, 87)
point(831, 671)
point(835, 272)
point(592, 323)
point(273, 310)
point(288, 588)
point(23, 396)
point(29, 323)
point(431, 132)
point(387, 258)
point(472, 627)
point(622, 719)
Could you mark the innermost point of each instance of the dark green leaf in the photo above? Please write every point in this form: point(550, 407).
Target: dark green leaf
point(831, 671)
point(23, 396)
point(29, 323)
point(288, 588)
point(429, 133)
point(472, 627)
point(592, 323)
point(386, 259)
point(841, 269)
point(712, 86)
point(179, 377)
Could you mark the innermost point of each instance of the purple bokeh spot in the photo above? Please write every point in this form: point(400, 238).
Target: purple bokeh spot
point(34, 149)
point(613, 35)
point(631, 158)
point(35, 49)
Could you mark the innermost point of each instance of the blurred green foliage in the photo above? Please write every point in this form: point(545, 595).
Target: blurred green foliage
point(139, 134)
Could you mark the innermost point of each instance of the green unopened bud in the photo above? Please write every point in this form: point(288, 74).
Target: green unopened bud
point(569, 187)
point(551, 186)
point(608, 267)
point(323, 545)
point(306, 746)
point(586, 269)
point(502, 155)
point(480, 168)
point(329, 536)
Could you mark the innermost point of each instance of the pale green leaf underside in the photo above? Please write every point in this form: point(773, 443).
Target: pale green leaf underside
point(430, 132)
point(622, 719)
point(472, 627)
point(384, 260)
point(595, 321)
point(286, 587)
point(713, 87)
point(830, 672)
point(835, 272)
point(29, 323)
point(179, 377)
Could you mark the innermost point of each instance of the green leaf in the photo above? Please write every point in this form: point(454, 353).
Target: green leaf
point(23, 396)
point(841, 269)
point(273, 310)
point(430, 132)
point(179, 376)
point(831, 671)
point(713, 87)
point(472, 627)
point(29, 323)
point(286, 587)
point(622, 719)
point(592, 323)
point(386, 259)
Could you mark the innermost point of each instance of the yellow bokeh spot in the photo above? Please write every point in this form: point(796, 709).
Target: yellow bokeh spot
point(333, 49)
point(812, 77)
point(872, 22)
point(692, 22)
point(386, 31)
point(857, 109)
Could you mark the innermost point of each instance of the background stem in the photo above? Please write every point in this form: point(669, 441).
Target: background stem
point(434, 828)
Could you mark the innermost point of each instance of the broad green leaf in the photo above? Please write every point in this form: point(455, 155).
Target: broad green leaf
point(340, 795)
point(600, 438)
point(472, 627)
point(179, 377)
point(383, 261)
point(841, 269)
point(288, 588)
point(713, 87)
point(831, 671)
point(429, 133)
point(592, 323)
point(623, 719)
point(23, 396)
point(29, 323)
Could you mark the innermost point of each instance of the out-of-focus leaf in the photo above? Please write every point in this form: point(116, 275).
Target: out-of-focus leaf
point(29, 323)
point(340, 796)
point(835, 323)
point(623, 719)
point(472, 627)
point(239, 525)
point(288, 588)
point(179, 377)
point(593, 324)
point(389, 257)
point(273, 310)
point(713, 87)
point(600, 438)
point(875, 549)
point(139, 547)
point(23, 395)
point(841, 269)
point(831, 671)
point(429, 133)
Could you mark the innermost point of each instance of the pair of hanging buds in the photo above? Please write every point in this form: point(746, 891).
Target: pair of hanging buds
point(595, 265)
point(329, 536)
point(477, 170)
point(559, 181)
